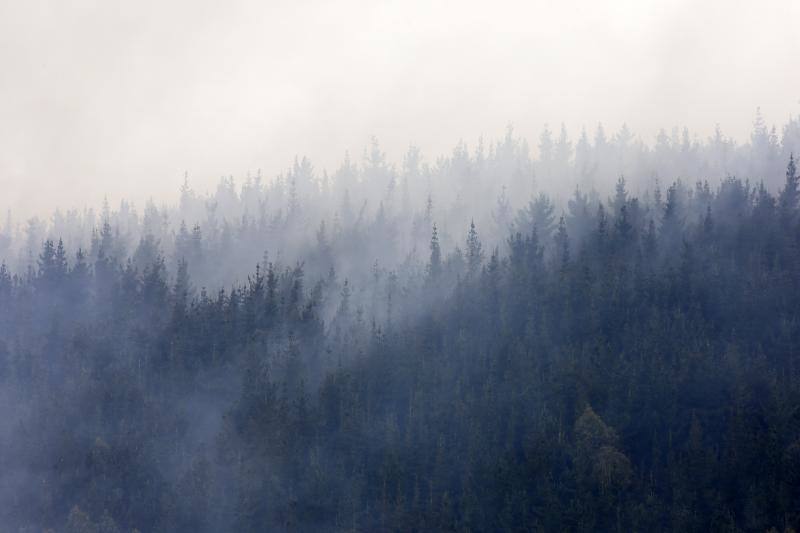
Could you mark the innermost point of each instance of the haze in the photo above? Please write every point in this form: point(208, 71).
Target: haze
point(120, 98)
point(437, 266)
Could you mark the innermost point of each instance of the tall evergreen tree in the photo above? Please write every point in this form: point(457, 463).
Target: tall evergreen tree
point(435, 261)
point(474, 251)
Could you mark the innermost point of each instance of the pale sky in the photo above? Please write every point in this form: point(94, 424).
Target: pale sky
point(120, 98)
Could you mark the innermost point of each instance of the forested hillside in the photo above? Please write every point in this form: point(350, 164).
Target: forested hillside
point(442, 348)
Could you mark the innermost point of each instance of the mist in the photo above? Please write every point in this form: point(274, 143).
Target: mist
point(117, 99)
point(388, 266)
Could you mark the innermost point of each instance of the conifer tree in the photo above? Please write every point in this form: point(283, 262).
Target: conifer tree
point(435, 261)
point(474, 251)
point(790, 193)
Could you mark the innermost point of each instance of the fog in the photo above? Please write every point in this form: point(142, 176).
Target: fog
point(328, 267)
point(120, 99)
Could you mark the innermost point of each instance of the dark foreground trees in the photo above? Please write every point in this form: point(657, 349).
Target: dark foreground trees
point(641, 377)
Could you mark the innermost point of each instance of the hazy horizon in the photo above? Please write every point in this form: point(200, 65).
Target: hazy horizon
point(120, 100)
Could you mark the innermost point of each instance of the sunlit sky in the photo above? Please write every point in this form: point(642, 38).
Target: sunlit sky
point(120, 98)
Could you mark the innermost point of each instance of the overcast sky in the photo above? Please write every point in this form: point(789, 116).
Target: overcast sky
point(119, 98)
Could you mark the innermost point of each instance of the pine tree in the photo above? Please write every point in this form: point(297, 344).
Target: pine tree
point(187, 195)
point(622, 226)
point(602, 227)
point(182, 243)
point(474, 251)
point(60, 260)
point(79, 277)
point(790, 194)
point(672, 221)
point(181, 290)
point(562, 243)
point(539, 214)
point(47, 264)
point(435, 261)
point(579, 218)
point(620, 196)
point(196, 247)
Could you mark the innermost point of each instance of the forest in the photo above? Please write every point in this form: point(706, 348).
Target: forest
point(600, 337)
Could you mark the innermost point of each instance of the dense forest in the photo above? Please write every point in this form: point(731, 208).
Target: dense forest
point(601, 338)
